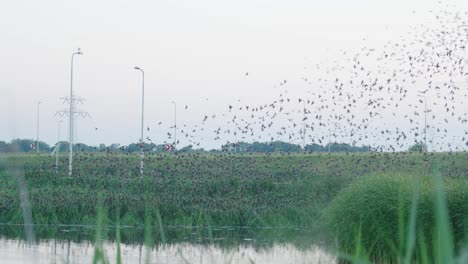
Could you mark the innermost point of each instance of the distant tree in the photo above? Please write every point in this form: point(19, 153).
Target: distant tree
point(24, 145)
point(155, 148)
point(136, 147)
point(280, 146)
point(418, 147)
point(4, 147)
point(63, 146)
point(343, 147)
point(115, 147)
point(102, 147)
point(187, 149)
point(81, 147)
point(314, 148)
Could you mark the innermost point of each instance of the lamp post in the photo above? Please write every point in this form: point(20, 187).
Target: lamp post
point(235, 138)
point(303, 125)
point(142, 117)
point(175, 126)
point(37, 131)
point(70, 117)
point(423, 95)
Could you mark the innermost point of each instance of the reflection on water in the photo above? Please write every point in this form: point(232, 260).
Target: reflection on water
point(71, 244)
point(54, 251)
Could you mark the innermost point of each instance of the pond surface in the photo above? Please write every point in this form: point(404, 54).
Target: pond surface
point(15, 251)
point(225, 245)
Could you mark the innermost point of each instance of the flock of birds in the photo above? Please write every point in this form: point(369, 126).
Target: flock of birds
point(389, 98)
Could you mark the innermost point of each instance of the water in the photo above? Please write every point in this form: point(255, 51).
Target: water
point(53, 251)
point(188, 246)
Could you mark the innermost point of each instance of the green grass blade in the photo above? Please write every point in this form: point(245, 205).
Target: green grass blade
point(444, 245)
point(411, 230)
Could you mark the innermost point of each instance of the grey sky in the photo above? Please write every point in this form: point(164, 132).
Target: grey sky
point(191, 51)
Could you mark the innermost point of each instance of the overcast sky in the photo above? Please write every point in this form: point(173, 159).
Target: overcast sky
point(193, 52)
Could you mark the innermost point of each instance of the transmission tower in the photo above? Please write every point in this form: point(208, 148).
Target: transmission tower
point(77, 100)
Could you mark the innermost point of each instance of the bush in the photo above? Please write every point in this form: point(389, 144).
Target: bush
point(372, 214)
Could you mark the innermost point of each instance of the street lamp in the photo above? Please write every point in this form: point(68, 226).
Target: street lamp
point(70, 116)
point(423, 95)
point(142, 117)
point(303, 125)
point(37, 131)
point(175, 126)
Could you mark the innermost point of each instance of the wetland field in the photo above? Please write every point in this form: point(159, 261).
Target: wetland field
point(380, 207)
